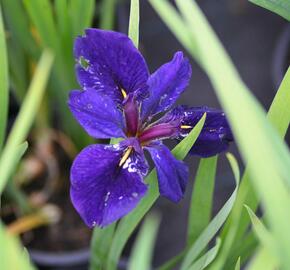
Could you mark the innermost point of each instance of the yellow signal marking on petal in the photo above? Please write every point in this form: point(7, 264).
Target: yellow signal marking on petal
point(124, 93)
point(125, 156)
point(185, 127)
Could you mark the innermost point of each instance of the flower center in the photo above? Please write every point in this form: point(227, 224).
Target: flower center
point(159, 131)
point(145, 135)
point(131, 113)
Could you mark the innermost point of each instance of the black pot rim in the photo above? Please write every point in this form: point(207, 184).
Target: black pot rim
point(280, 56)
point(71, 258)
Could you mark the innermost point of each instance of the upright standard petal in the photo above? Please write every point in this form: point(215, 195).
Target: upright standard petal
point(110, 63)
point(172, 173)
point(166, 84)
point(215, 135)
point(97, 114)
point(102, 190)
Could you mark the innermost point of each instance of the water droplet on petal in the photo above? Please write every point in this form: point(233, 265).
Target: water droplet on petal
point(135, 194)
point(107, 196)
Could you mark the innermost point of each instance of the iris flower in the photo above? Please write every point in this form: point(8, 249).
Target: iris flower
point(120, 99)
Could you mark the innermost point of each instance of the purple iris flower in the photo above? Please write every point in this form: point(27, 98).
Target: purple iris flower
point(119, 99)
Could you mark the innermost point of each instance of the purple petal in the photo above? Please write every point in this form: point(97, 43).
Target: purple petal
point(101, 190)
point(166, 84)
point(97, 114)
point(172, 173)
point(108, 62)
point(215, 135)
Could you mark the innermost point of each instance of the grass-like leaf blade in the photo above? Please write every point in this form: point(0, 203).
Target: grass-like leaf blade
point(100, 244)
point(107, 16)
point(12, 256)
point(4, 90)
point(141, 255)
point(81, 13)
point(209, 232)
point(133, 32)
point(25, 117)
point(201, 200)
point(207, 258)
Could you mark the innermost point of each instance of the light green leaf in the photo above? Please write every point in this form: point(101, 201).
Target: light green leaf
point(202, 197)
point(265, 237)
point(281, 7)
point(130, 222)
point(107, 16)
point(133, 32)
point(246, 117)
point(279, 116)
point(263, 260)
point(12, 255)
point(228, 241)
point(209, 232)
point(100, 244)
point(25, 117)
point(143, 248)
point(238, 264)
point(3, 83)
point(207, 258)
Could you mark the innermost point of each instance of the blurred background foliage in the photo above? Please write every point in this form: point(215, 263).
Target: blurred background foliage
point(36, 54)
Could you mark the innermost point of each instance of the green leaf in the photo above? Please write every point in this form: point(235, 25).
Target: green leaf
point(238, 264)
point(100, 244)
point(19, 26)
point(243, 250)
point(133, 32)
point(201, 200)
point(130, 222)
point(41, 14)
point(263, 260)
point(107, 16)
point(143, 248)
point(279, 116)
point(207, 258)
point(209, 232)
point(3, 83)
point(246, 117)
point(265, 237)
point(281, 7)
point(81, 13)
point(25, 117)
point(12, 255)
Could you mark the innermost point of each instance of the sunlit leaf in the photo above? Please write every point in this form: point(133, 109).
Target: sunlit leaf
point(133, 32)
point(12, 255)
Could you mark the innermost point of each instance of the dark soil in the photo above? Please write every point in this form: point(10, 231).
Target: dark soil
point(70, 233)
point(67, 235)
